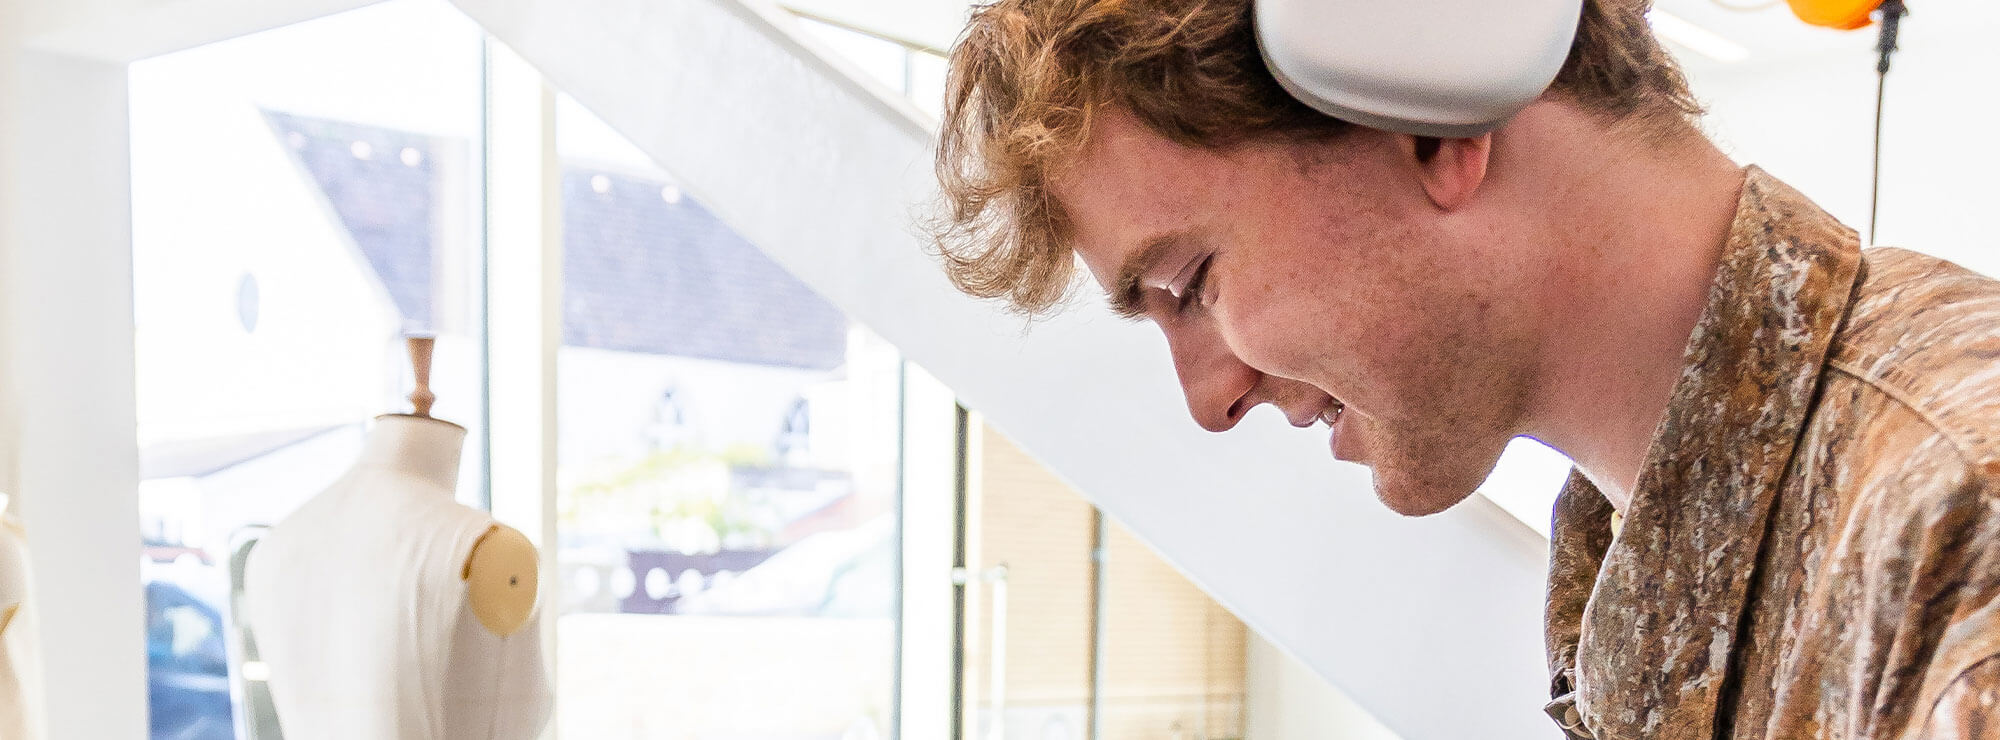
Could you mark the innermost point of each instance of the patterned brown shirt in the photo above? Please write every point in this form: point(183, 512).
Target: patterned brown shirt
point(1813, 547)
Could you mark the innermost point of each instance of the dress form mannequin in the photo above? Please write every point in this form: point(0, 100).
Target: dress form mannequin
point(20, 707)
point(17, 631)
point(383, 608)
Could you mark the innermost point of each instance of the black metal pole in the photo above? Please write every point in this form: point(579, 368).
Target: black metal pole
point(1885, 48)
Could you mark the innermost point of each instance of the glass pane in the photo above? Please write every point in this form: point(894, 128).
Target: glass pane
point(1056, 648)
point(1526, 480)
point(728, 451)
point(917, 74)
point(879, 58)
point(302, 199)
point(927, 77)
point(1174, 660)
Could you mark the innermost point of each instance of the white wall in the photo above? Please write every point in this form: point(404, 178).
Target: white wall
point(10, 47)
point(1286, 700)
point(22, 648)
point(1809, 120)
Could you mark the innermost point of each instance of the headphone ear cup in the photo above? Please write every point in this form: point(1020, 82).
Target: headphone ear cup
point(1845, 15)
point(1444, 68)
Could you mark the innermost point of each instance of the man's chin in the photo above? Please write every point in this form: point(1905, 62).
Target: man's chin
point(1408, 496)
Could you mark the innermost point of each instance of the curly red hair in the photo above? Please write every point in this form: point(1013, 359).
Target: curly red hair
point(1027, 77)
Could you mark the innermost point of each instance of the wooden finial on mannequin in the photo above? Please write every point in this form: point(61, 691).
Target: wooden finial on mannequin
point(421, 348)
point(502, 572)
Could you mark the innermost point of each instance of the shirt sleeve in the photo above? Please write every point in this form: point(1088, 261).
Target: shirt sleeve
point(1969, 708)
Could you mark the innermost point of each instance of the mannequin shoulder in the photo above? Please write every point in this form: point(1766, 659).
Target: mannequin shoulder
point(501, 576)
point(13, 571)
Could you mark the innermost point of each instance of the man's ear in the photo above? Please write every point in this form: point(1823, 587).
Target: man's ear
point(1451, 169)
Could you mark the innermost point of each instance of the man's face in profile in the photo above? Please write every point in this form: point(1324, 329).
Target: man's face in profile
point(1323, 278)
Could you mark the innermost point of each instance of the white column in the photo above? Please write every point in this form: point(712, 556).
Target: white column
point(929, 437)
point(524, 311)
point(68, 260)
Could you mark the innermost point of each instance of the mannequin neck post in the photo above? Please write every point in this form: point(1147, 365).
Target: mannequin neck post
point(418, 446)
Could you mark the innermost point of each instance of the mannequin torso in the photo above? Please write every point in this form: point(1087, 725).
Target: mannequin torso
point(384, 608)
point(17, 638)
point(13, 567)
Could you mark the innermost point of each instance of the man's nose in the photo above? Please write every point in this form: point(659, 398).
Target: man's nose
point(1217, 385)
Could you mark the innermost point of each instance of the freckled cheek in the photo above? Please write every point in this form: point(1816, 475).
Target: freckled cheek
point(1342, 336)
point(1275, 337)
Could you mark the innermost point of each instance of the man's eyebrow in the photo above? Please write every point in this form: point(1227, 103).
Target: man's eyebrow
point(1126, 292)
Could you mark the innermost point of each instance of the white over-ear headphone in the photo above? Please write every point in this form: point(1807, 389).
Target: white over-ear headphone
point(1447, 68)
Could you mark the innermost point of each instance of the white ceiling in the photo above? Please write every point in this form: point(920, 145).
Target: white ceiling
point(1768, 30)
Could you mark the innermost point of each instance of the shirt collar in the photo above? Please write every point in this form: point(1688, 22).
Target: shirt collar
point(1654, 640)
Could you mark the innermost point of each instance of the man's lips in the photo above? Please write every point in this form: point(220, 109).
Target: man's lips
point(1328, 415)
point(1353, 450)
point(1331, 415)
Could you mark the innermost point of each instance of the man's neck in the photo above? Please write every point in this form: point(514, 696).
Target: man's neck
point(1643, 228)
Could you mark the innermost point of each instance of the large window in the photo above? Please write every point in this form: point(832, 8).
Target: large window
point(302, 199)
point(728, 455)
point(728, 442)
point(907, 67)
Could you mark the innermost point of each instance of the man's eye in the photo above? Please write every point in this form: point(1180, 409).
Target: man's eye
point(1191, 293)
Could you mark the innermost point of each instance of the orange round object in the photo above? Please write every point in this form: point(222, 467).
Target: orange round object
point(1846, 15)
